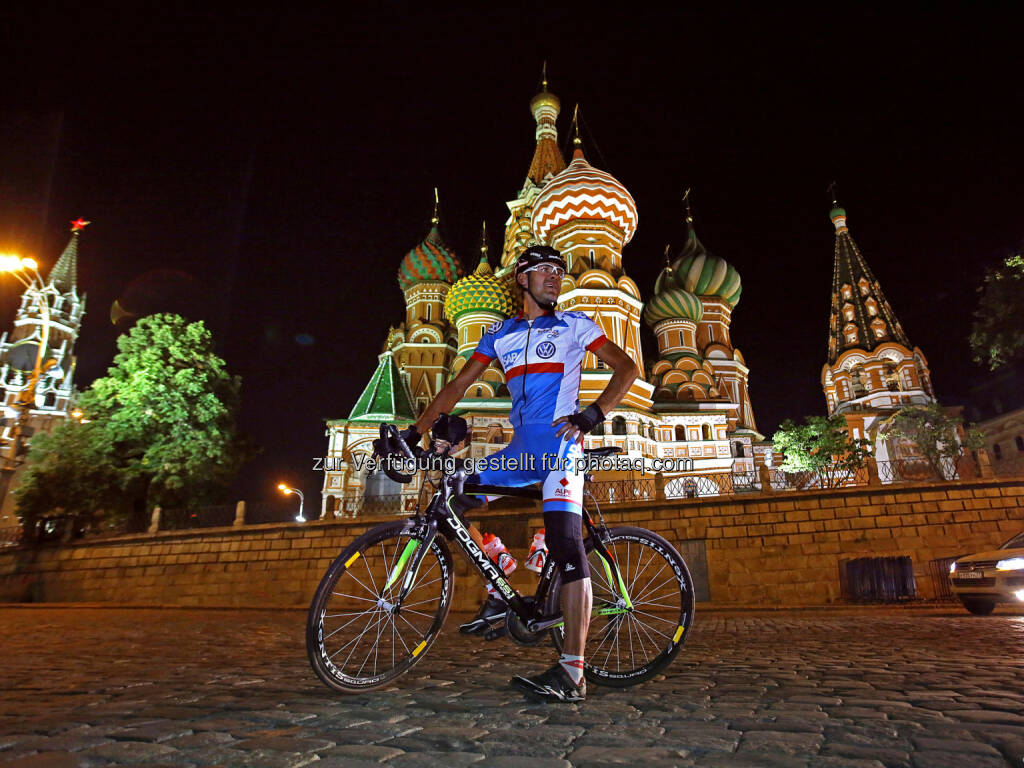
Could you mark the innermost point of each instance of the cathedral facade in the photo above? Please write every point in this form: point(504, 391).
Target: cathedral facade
point(688, 413)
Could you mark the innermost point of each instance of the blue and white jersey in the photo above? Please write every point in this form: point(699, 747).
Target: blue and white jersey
point(542, 362)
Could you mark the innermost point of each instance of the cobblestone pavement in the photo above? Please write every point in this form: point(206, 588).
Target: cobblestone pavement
point(97, 687)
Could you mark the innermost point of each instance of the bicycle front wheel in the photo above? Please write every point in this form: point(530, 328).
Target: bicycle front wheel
point(355, 640)
point(631, 643)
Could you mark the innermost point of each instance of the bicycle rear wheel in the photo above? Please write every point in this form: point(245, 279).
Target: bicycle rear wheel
point(354, 641)
point(624, 649)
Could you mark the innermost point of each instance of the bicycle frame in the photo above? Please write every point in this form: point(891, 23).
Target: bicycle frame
point(440, 517)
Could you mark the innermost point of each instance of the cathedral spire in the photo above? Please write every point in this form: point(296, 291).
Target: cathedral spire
point(484, 266)
point(547, 157)
point(861, 316)
point(64, 274)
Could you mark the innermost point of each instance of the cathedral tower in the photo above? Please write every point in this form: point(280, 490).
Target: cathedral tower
point(425, 345)
point(547, 162)
point(871, 364)
point(588, 215)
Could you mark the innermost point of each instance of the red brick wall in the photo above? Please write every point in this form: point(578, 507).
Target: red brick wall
point(781, 548)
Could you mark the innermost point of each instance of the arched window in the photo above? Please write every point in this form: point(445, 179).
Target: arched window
point(598, 430)
point(1020, 442)
point(997, 451)
point(652, 433)
point(618, 426)
point(680, 433)
point(737, 449)
point(479, 391)
point(705, 432)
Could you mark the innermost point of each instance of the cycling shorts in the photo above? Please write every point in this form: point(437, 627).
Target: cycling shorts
point(536, 455)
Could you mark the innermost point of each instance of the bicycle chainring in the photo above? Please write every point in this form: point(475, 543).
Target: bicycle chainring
point(517, 629)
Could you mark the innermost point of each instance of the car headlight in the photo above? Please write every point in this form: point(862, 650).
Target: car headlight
point(952, 567)
point(1013, 564)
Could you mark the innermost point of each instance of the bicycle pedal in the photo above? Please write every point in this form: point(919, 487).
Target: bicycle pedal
point(496, 632)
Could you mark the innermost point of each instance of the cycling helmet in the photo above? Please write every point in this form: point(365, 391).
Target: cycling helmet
point(539, 254)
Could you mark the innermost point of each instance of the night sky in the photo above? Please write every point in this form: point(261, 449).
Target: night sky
point(266, 173)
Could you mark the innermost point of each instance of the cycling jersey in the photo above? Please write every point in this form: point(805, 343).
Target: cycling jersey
point(542, 361)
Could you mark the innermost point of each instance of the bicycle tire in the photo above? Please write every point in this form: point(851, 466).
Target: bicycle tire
point(357, 578)
point(632, 547)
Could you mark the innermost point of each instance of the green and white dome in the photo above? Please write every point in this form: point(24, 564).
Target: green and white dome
point(673, 303)
point(698, 271)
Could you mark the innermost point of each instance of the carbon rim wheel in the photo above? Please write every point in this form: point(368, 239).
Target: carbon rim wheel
point(354, 640)
point(628, 648)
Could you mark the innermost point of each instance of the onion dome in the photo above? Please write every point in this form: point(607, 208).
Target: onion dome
point(582, 192)
point(431, 261)
point(480, 292)
point(674, 303)
point(698, 271)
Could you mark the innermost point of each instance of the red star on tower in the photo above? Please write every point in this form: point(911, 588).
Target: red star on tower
point(79, 224)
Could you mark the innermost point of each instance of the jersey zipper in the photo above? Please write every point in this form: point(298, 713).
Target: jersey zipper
point(526, 369)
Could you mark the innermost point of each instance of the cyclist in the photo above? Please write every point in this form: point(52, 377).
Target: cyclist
point(542, 351)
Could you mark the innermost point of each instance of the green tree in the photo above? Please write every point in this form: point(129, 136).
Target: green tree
point(162, 421)
point(821, 449)
point(70, 474)
point(936, 435)
point(997, 335)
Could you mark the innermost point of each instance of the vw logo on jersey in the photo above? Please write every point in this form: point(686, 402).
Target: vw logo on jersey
point(495, 327)
point(545, 349)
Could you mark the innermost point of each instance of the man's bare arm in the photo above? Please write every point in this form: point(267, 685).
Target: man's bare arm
point(452, 392)
point(624, 373)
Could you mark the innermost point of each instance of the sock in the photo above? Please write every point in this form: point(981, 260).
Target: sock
point(493, 593)
point(573, 665)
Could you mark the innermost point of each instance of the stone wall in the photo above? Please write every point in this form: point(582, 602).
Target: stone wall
point(775, 548)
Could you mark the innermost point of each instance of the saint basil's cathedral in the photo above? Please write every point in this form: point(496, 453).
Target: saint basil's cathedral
point(691, 403)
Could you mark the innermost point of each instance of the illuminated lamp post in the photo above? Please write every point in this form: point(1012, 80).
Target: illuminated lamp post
point(302, 500)
point(25, 272)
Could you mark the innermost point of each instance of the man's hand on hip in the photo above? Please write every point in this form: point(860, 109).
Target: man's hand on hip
point(577, 425)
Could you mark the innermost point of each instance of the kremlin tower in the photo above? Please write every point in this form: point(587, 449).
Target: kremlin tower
point(872, 369)
point(50, 316)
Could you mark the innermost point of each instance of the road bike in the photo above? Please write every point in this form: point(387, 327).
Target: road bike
point(383, 601)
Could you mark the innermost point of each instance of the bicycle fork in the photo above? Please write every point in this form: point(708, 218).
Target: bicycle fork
point(410, 561)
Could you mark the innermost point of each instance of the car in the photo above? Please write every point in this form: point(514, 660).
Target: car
point(984, 579)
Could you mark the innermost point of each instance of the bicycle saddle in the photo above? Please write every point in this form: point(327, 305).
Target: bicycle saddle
point(604, 450)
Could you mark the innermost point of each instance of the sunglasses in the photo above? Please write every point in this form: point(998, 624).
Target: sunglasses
point(546, 269)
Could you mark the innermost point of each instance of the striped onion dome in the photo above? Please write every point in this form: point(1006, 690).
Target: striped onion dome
point(429, 262)
point(672, 304)
point(480, 292)
point(583, 192)
point(698, 271)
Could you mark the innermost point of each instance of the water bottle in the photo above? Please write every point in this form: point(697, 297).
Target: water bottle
point(498, 553)
point(538, 553)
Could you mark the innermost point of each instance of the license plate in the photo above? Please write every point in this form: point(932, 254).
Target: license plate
point(969, 575)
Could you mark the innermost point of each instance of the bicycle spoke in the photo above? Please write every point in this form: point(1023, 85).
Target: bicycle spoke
point(356, 618)
point(382, 617)
point(650, 590)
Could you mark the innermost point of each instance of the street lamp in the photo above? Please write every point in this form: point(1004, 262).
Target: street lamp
point(25, 272)
point(302, 500)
